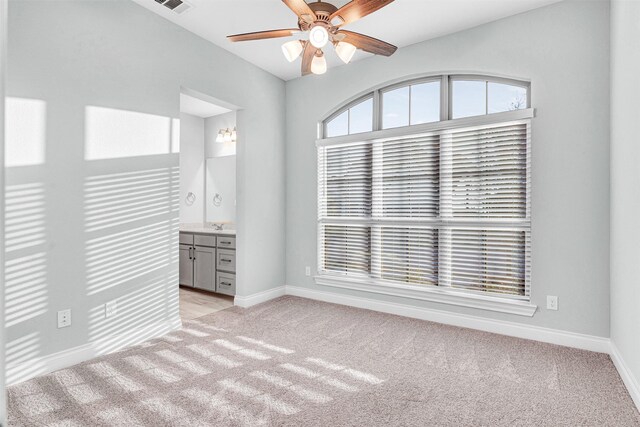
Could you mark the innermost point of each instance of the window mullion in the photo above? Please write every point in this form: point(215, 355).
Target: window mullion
point(445, 209)
point(377, 111)
point(376, 209)
point(444, 98)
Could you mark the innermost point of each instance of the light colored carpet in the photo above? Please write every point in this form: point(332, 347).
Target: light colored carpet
point(296, 362)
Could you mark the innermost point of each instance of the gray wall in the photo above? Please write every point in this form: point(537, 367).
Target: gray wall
point(78, 223)
point(192, 168)
point(625, 178)
point(564, 50)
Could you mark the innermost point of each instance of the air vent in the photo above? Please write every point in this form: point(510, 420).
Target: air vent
point(177, 6)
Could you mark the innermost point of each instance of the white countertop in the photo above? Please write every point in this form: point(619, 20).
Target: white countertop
point(204, 229)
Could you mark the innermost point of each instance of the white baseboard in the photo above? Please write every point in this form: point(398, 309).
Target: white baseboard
point(536, 333)
point(260, 297)
point(42, 365)
point(630, 381)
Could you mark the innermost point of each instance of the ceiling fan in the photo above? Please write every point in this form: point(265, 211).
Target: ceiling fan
point(324, 23)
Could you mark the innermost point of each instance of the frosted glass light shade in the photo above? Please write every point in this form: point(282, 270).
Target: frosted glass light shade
point(318, 36)
point(234, 135)
point(292, 50)
point(220, 137)
point(319, 64)
point(345, 51)
point(227, 136)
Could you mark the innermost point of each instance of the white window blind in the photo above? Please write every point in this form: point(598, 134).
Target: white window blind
point(447, 209)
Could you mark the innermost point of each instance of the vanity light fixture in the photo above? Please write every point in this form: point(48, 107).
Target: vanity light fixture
point(227, 135)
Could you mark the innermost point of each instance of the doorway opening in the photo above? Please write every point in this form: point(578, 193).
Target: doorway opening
point(208, 136)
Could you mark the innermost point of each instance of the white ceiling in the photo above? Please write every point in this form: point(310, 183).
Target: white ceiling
point(199, 108)
point(401, 23)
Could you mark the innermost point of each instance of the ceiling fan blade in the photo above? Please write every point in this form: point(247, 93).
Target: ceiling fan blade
point(368, 44)
point(302, 9)
point(260, 35)
point(307, 57)
point(357, 9)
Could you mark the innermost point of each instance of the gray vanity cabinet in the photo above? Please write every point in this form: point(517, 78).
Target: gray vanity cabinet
point(186, 266)
point(206, 267)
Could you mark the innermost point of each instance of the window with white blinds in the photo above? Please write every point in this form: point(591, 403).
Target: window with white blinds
point(445, 208)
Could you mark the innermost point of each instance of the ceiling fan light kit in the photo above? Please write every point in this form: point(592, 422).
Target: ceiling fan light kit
point(319, 63)
point(318, 36)
point(345, 51)
point(323, 22)
point(293, 49)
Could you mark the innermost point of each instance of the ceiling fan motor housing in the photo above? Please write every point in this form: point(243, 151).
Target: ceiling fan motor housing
point(323, 12)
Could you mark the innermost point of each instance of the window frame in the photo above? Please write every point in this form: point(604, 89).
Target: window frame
point(487, 79)
point(465, 298)
point(347, 108)
point(430, 79)
point(446, 94)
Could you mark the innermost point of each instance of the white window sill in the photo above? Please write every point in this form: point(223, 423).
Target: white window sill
point(444, 296)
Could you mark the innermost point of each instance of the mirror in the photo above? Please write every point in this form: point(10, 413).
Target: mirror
point(221, 190)
point(220, 173)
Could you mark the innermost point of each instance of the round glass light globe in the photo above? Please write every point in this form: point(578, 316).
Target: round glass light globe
point(318, 36)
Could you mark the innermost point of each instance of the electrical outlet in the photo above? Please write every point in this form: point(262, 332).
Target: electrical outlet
point(552, 302)
point(111, 308)
point(64, 318)
point(307, 271)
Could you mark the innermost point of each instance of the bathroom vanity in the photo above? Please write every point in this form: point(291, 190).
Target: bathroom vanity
point(208, 259)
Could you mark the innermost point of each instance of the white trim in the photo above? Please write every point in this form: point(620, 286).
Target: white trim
point(513, 329)
point(444, 296)
point(258, 298)
point(630, 381)
point(37, 366)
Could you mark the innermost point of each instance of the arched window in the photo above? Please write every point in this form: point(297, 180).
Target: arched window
point(423, 192)
point(428, 100)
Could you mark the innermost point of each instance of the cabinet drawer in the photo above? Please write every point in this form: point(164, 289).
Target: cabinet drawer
point(226, 283)
point(226, 260)
point(186, 238)
point(203, 240)
point(226, 242)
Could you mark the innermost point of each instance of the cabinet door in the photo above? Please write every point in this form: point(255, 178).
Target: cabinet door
point(204, 268)
point(186, 266)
